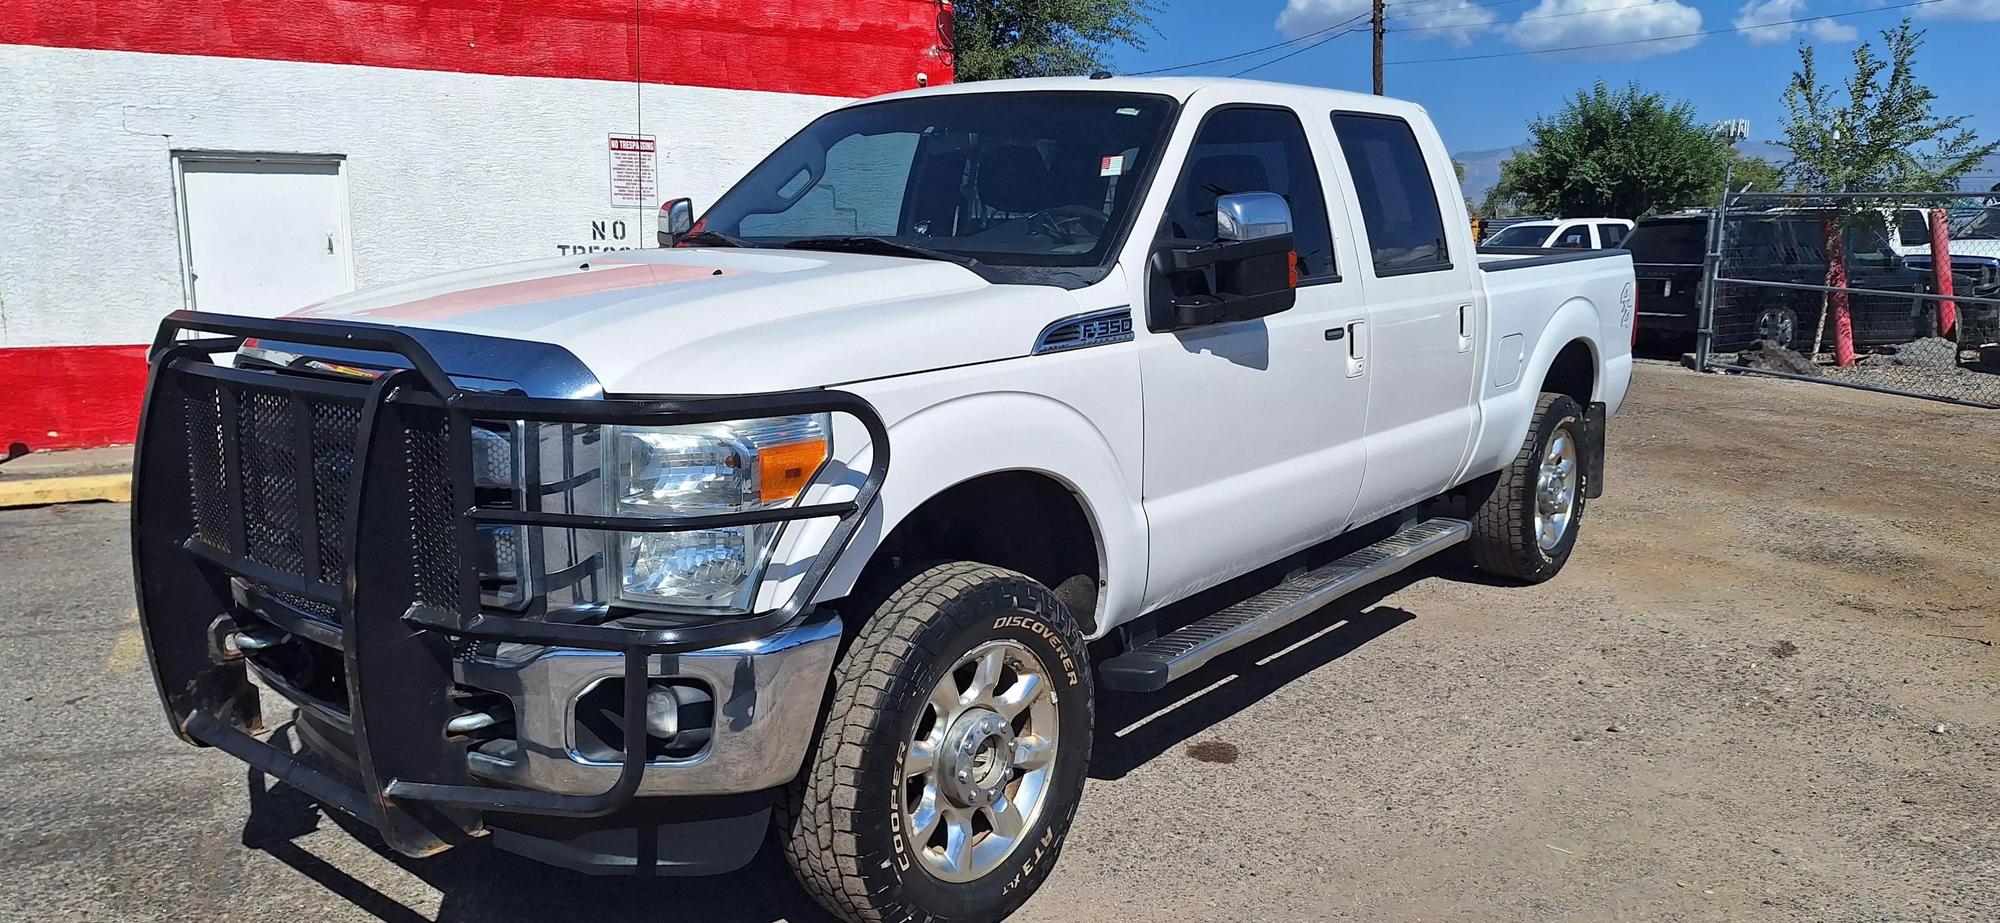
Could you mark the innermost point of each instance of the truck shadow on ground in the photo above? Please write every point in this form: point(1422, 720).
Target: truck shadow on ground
point(477, 883)
point(1134, 729)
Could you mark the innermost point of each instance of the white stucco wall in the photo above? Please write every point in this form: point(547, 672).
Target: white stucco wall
point(444, 170)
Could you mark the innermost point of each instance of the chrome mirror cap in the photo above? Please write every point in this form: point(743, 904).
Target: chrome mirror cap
point(1252, 216)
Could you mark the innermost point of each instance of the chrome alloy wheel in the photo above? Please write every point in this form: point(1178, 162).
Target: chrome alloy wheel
point(977, 769)
point(1777, 327)
point(1555, 490)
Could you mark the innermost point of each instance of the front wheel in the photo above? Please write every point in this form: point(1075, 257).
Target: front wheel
point(953, 755)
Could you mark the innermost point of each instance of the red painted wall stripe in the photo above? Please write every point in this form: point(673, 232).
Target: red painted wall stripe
point(70, 397)
point(824, 47)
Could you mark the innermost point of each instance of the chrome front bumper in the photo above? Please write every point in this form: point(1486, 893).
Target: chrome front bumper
point(768, 694)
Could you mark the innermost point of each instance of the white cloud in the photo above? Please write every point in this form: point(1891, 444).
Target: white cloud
point(1456, 21)
point(1565, 23)
point(1960, 9)
point(1755, 14)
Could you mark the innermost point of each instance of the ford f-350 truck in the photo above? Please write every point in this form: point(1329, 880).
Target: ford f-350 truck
point(607, 558)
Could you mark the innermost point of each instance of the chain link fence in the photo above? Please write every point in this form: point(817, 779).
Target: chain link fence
point(1887, 292)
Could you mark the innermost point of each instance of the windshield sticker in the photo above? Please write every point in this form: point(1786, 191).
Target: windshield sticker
point(1111, 165)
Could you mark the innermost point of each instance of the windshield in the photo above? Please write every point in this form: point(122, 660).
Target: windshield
point(1008, 179)
point(1983, 225)
point(1521, 235)
point(1667, 241)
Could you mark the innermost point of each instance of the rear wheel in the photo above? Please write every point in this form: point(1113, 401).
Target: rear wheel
point(953, 755)
point(1778, 326)
point(1527, 521)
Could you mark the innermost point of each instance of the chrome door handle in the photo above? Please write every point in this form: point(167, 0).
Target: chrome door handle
point(1357, 350)
point(1465, 328)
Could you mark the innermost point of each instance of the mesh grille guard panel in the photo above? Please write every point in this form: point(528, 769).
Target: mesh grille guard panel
point(352, 503)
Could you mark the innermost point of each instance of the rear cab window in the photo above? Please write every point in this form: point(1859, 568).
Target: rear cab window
point(1610, 235)
point(1398, 199)
point(1669, 241)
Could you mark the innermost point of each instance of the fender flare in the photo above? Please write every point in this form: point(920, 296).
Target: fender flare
point(1509, 413)
point(946, 444)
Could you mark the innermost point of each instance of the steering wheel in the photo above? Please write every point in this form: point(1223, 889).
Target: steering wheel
point(1068, 222)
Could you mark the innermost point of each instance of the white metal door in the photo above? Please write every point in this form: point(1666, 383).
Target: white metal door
point(263, 235)
point(1253, 428)
point(1423, 317)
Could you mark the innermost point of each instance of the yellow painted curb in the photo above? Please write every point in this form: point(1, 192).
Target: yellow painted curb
point(40, 491)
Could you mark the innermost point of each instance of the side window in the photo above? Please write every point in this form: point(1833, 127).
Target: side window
point(1573, 237)
point(1611, 234)
point(1254, 150)
point(1398, 200)
point(1913, 226)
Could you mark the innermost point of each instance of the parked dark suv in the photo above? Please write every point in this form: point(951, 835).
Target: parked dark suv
point(1776, 247)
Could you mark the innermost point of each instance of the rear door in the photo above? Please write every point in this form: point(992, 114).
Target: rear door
point(1422, 315)
point(1666, 259)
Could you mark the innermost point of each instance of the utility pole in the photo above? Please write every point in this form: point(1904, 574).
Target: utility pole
point(1378, 46)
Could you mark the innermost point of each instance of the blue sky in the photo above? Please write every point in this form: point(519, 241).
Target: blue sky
point(1480, 104)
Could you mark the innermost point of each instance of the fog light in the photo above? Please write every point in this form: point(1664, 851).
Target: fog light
point(679, 719)
point(663, 712)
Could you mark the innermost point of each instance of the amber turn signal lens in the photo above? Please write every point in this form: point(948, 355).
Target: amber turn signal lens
point(788, 468)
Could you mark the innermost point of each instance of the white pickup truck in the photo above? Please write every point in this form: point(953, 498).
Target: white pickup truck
point(607, 559)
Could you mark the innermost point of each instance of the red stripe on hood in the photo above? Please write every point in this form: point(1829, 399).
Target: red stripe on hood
point(530, 291)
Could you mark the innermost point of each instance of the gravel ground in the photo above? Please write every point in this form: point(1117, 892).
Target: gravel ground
point(1765, 689)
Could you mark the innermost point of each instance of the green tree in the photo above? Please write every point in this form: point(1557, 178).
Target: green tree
point(1619, 153)
point(1755, 172)
point(1884, 137)
point(994, 39)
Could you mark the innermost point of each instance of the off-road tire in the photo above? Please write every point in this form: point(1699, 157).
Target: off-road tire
point(840, 823)
point(1503, 540)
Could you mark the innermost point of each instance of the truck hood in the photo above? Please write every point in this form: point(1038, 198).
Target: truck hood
point(717, 321)
point(1981, 250)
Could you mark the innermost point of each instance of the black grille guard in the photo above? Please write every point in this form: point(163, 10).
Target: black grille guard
point(397, 655)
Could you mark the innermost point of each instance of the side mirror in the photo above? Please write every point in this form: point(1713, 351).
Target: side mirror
point(1245, 216)
point(676, 220)
point(1248, 272)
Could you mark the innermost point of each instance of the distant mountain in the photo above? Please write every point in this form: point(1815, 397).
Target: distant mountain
point(1482, 168)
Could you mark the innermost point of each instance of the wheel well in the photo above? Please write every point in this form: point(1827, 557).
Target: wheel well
point(1020, 520)
point(1573, 373)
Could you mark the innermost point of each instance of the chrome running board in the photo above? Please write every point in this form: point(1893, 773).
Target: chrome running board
point(1151, 666)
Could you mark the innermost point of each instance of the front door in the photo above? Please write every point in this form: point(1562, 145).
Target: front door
point(263, 235)
point(1252, 427)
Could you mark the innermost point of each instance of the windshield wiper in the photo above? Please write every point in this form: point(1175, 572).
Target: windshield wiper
point(714, 239)
point(878, 245)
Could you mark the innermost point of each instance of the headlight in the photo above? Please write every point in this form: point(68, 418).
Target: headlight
point(683, 471)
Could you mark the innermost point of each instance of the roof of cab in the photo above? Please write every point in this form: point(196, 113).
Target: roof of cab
point(1180, 88)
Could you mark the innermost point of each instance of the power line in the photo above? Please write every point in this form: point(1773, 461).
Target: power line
point(1313, 34)
point(1662, 38)
point(1297, 52)
point(1245, 54)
